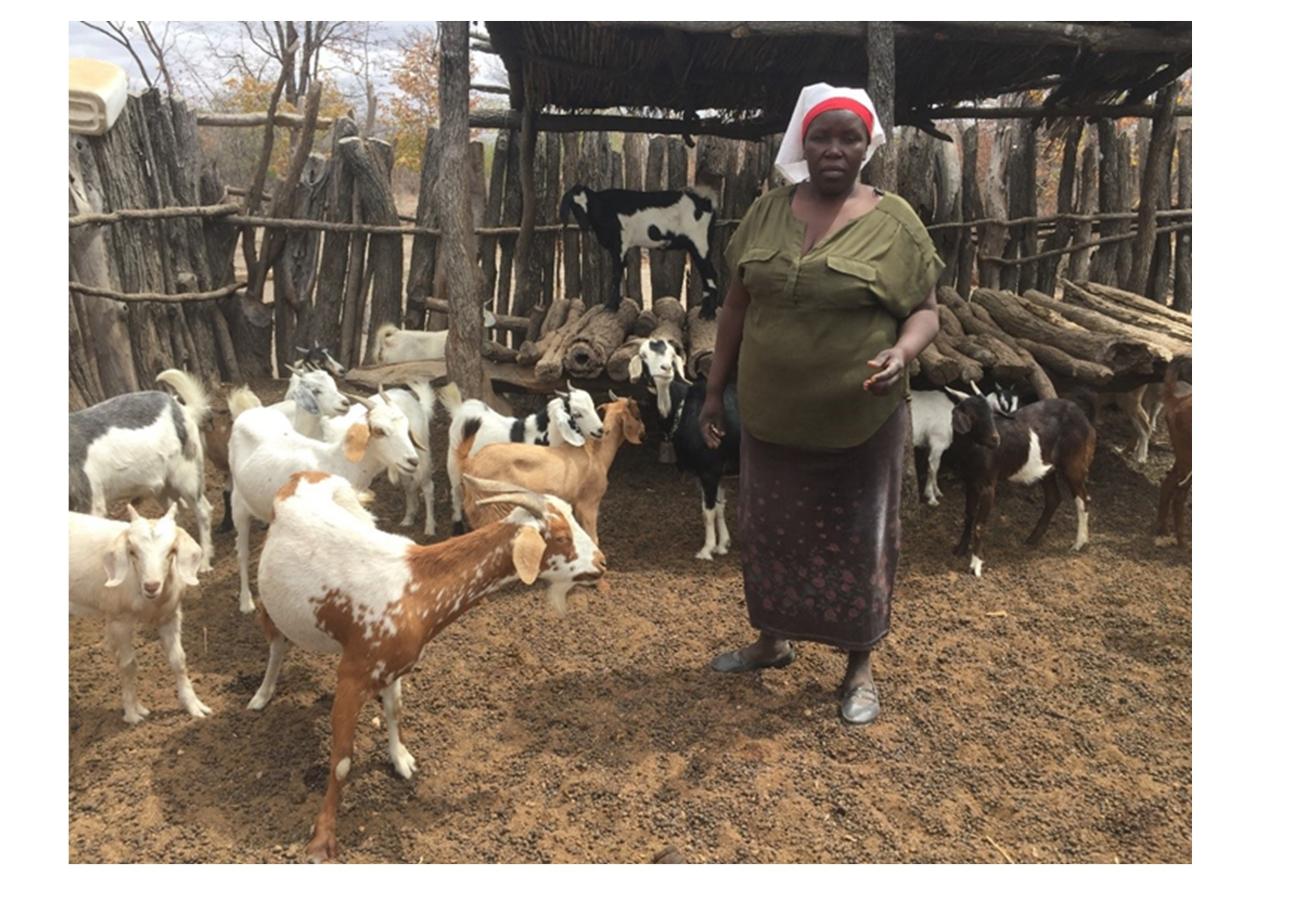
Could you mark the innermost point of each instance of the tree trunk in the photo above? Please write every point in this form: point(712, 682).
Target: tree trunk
point(1065, 203)
point(464, 342)
point(993, 197)
point(882, 170)
point(368, 160)
point(326, 319)
point(572, 239)
point(700, 337)
point(492, 215)
point(230, 324)
point(512, 208)
point(975, 319)
point(602, 333)
point(1183, 250)
point(1023, 188)
point(971, 208)
point(597, 272)
point(715, 167)
point(301, 258)
point(1086, 203)
point(529, 280)
point(1124, 250)
point(634, 155)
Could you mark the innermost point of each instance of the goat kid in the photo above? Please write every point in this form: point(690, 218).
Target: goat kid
point(1040, 442)
point(418, 405)
point(570, 417)
point(317, 357)
point(145, 443)
point(265, 451)
point(932, 427)
point(622, 220)
point(333, 583)
point(395, 345)
point(578, 474)
point(134, 573)
point(311, 398)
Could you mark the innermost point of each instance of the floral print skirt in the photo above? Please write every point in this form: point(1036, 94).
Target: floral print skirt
point(820, 536)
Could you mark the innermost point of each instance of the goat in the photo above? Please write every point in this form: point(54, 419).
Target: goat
point(265, 451)
point(395, 345)
point(623, 220)
point(332, 582)
point(1041, 441)
point(569, 417)
point(417, 404)
point(932, 427)
point(317, 357)
point(661, 362)
point(1176, 398)
point(311, 397)
point(135, 573)
point(145, 443)
point(578, 474)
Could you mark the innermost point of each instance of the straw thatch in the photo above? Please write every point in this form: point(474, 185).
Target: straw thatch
point(687, 67)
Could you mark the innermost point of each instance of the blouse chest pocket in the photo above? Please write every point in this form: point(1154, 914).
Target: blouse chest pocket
point(846, 283)
point(763, 273)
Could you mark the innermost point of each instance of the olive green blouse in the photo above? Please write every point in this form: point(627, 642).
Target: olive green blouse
point(815, 319)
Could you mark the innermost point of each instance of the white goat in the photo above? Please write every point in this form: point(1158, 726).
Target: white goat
point(395, 345)
point(331, 582)
point(265, 451)
point(145, 443)
point(311, 396)
point(570, 417)
point(417, 404)
point(134, 573)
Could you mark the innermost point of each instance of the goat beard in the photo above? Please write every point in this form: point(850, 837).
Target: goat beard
point(558, 595)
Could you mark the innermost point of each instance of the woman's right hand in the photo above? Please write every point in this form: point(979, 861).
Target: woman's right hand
point(712, 425)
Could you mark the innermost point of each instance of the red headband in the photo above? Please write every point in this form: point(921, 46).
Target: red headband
point(839, 103)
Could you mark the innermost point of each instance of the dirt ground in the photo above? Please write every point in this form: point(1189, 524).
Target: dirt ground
point(1042, 713)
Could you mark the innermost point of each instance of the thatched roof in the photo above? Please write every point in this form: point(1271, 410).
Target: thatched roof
point(742, 69)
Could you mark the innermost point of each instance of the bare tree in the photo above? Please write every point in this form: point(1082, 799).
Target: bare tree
point(158, 48)
point(117, 31)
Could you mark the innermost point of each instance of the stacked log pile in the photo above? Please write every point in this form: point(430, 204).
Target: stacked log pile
point(1096, 336)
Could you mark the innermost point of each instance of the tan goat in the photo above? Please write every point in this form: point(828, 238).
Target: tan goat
point(579, 475)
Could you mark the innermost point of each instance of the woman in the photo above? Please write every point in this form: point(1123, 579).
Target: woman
point(832, 294)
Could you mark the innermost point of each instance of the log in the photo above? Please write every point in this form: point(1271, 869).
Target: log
point(1110, 321)
point(499, 353)
point(549, 367)
point(602, 332)
point(975, 319)
point(996, 358)
point(1139, 303)
point(392, 375)
point(968, 369)
point(1063, 364)
point(1018, 317)
point(1142, 357)
point(645, 323)
point(700, 337)
point(938, 368)
point(617, 367)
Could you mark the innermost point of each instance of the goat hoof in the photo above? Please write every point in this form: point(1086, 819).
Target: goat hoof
point(135, 716)
point(720, 550)
point(199, 709)
point(704, 554)
point(404, 763)
point(1165, 540)
point(932, 501)
point(322, 849)
point(457, 528)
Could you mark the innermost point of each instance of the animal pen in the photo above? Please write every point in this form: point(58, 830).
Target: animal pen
point(1097, 292)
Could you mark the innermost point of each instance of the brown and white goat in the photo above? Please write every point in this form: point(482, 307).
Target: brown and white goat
point(579, 475)
point(1177, 485)
point(1038, 442)
point(331, 582)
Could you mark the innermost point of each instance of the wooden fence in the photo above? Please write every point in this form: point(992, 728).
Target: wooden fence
point(153, 235)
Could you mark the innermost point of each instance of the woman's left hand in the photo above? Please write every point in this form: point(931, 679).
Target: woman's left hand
point(887, 368)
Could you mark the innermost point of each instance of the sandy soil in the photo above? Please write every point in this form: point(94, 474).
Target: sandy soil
point(1042, 713)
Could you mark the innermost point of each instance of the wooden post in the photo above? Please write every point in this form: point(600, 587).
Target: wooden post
point(368, 160)
point(1023, 187)
point(882, 170)
point(512, 206)
point(1124, 250)
point(1065, 203)
point(1155, 182)
point(327, 318)
point(1183, 249)
point(1086, 202)
point(295, 271)
point(572, 238)
point(424, 248)
point(634, 155)
point(993, 201)
point(715, 163)
point(492, 214)
point(465, 340)
point(1108, 201)
point(970, 206)
point(527, 288)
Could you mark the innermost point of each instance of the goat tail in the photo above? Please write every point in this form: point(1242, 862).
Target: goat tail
point(449, 397)
point(707, 193)
point(241, 399)
point(385, 331)
point(190, 391)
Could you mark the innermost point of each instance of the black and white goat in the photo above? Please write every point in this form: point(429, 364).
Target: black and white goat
point(317, 357)
point(1038, 442)
point(570, 417)
point(145, 443)
point(932, 427)
point(623, 220)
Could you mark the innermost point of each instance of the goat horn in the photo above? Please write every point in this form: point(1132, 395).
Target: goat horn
point(612, 395)
point(525, 499)
point(491, 486)
point(976, 388)
point(953, 392)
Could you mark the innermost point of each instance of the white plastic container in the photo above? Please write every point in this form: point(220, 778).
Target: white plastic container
point(96, 95)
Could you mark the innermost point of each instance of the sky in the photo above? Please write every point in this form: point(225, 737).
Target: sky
point(195, 41)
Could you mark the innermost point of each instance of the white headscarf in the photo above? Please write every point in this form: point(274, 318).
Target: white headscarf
point(813, 100)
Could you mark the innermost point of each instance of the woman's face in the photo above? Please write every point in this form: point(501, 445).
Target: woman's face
point(834, 148)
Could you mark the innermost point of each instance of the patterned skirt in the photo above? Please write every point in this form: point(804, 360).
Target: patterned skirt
point(821, 536)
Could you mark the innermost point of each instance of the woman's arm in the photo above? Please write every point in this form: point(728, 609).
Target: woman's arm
point(919, 328)
point(726, 352)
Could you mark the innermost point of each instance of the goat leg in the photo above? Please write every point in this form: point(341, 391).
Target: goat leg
point(227, 523)
point(616, 290)
point(1051, 499)
point(349, 697)
point(709, 280)
point(119, 635)
point(972, 500)
point(403, 760)
point(983, 509)
point(169, 634)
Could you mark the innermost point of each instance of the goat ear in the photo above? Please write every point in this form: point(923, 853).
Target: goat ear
point(634, 368)
point(561, 420)
point(354, 443)
point(188, 557)
point(961, 422)
point(115, 562)
point(527, 549)
point(131, 514)
point(303, 397)
point(680, 365)
point(171, 510)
